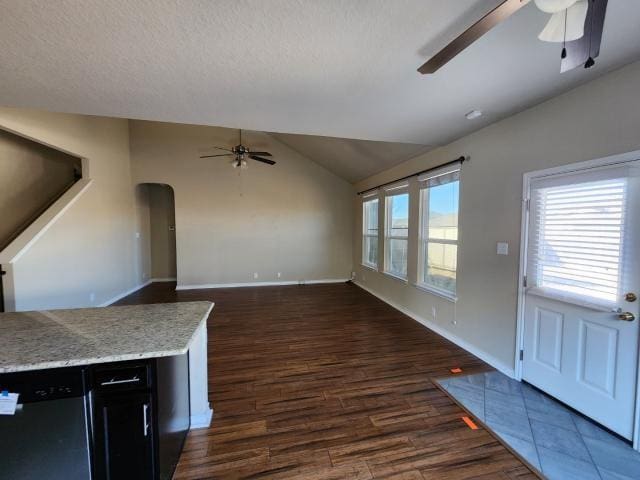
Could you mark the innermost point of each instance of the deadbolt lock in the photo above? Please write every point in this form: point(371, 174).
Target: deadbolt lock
point(630, 297)
point(627, 316)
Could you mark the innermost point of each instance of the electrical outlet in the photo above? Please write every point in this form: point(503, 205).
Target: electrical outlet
point(279, 274)
point(137, 234)
point(502, 248)
point(255, 275)
point(353, 275)
point(434, 313)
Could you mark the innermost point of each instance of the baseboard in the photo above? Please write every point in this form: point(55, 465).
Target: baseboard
point(160, 280)
point(481, 354)
point(260, 284)
point(202, 420)
point(124, 294)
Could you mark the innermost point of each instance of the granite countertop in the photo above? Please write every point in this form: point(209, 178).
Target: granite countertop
point(61, 338)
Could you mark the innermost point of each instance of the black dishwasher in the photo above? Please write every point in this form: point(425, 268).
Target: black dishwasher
point(47, 436)
point(140, 417)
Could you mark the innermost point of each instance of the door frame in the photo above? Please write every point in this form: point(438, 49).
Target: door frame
point(522, 271)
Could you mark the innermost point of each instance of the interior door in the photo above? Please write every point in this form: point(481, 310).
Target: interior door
point(580, 324)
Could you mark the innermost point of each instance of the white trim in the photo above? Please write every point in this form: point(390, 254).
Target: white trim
point(370, 193)
point(435, 291)
point(552, 294)
point(397, 188)
point(202, 420)
point(260, 284)
point(23, 242)
point(522, 272)
point(439, 172)
point(481, 354)
point(396, 277)
point(124, 294)
point(526, 185)
point(135, 289)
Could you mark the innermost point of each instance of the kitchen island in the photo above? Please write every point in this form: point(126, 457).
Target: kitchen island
point(133, 373)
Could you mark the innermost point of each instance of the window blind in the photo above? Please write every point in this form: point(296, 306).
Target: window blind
point(577, 235)
point(448, 174)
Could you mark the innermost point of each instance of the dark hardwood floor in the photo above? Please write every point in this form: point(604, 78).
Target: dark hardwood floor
point(328, 382)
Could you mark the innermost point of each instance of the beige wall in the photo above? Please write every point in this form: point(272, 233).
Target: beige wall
point(89, 255)
point(598, 119)
point(31, 175)
point(163, 239)
point(143, 232)
point(291, 218)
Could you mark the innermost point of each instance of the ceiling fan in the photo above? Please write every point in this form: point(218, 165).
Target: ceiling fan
point(240, 152)
point(577, 24)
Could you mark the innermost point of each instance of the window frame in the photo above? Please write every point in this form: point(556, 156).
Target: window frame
point(423, 234)
point(371, 198)
point(534, 268)
point(390, 192)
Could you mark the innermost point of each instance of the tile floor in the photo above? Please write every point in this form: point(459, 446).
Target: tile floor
point(558, 442)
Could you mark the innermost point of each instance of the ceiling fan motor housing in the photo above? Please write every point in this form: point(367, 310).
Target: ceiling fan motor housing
point(240, 150)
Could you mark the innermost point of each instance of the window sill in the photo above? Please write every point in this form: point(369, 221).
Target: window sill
point(373, 268)
point(571, 299)
point(436, 292)
point(396, 277)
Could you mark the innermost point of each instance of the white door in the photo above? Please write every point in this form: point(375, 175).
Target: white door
point(580, 326)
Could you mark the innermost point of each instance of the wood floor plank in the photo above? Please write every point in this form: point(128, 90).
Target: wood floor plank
point(326, 382)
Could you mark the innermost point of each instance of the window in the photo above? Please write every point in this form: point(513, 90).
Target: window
point(396, 232)
point(438, 254)
point(576, 235)
point(370, 233)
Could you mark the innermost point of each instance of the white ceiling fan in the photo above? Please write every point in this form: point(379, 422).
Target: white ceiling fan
point(577, 24)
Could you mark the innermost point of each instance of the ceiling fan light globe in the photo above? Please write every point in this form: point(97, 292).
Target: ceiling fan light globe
point(554, 6)
point(554, 31)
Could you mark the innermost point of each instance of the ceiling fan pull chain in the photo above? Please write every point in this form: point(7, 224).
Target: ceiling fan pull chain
point(564, 38)
point(590, 61)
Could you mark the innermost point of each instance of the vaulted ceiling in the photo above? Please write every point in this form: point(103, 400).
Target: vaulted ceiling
point(336, 68)
point(351, 159)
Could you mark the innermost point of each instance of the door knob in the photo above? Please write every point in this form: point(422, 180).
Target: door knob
point(627, 316)
point(630, 297)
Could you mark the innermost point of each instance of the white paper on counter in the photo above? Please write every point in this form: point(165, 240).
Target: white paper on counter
point(8, 403)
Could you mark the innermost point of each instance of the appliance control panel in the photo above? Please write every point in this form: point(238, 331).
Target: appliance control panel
point(42, 385)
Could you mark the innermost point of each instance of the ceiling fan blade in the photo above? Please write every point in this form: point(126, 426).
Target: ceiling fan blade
point(588, 46)
point(220, 155)
point(264, 154)
point(263, 160)
point(473, 33)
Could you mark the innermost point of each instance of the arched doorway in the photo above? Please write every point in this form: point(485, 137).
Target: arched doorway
point(157, 217)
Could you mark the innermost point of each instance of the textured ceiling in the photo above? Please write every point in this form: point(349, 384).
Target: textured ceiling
point(351, 159)
point(340, 68)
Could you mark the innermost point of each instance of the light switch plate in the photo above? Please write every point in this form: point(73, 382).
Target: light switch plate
point(502, 248)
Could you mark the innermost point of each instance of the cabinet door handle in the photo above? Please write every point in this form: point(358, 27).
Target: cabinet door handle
point(113, 381)
point(145, 408)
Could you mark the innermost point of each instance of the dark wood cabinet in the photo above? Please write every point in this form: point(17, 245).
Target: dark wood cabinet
point(139, 417)
point(124, 436)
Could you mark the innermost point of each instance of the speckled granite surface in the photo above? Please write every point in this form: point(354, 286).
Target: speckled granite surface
point(59, 338)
